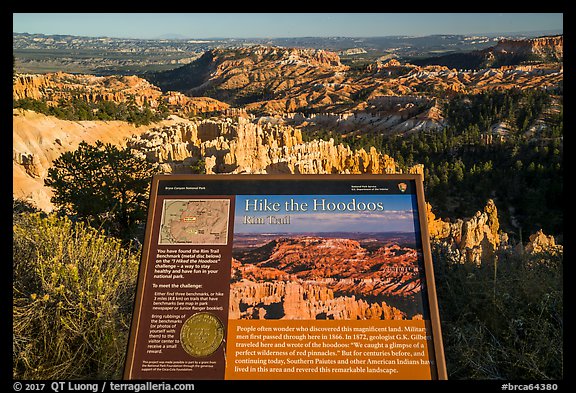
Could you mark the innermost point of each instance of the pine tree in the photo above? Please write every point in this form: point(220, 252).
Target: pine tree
point(103, 185)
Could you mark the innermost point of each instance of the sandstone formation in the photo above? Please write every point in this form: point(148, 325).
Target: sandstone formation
point(183, 105)
point(323, 278)
point(344, 265)
point(301, 300)
point(444, 80)
point(31, 86)
point(230, 145)
point(407, 114)
point(549, 47)
point(390, 97)
point(37, 140)
point(473, 240)
point(540, 242)
point(387, 114)
point(544, 53)
point(54, 87)
point(277, 80)
point(240, 145)
point(477, 239)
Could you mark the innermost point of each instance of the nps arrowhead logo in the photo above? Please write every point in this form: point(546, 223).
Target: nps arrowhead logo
point(402, 186)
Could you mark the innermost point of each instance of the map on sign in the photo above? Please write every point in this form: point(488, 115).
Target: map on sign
point(194, 221)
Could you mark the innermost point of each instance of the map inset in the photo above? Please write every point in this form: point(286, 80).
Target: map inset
point(194, 221)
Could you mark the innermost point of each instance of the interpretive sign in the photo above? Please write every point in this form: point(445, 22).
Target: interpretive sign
point(286, 277)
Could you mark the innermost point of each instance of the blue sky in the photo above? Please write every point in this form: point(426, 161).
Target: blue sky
point(398, 214)
point(273, 25)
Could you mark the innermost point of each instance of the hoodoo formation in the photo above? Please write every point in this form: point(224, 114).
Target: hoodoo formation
point(249, 109)
point(323, 278)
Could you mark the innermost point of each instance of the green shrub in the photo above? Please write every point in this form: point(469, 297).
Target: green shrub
point(77, 108)
point(504, 322)
point(105, 185)
point(73, 291)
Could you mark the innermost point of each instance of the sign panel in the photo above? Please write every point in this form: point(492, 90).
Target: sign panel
point(286, 277)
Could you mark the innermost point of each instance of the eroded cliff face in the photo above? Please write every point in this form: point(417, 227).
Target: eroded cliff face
point(540, 242)
point(294, 300)
point(278, 80)
point(474, 240)
point(31, 86)
point(235, 145)
point(305, 277)
point(240, 145)
point(37, 140)
point(549, 47)
point(391, 97)
point(341, 264)
point(477, 239)
point(229, 145)
point(54, 87)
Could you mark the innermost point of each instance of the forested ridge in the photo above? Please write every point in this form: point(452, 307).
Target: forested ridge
point(505, 145)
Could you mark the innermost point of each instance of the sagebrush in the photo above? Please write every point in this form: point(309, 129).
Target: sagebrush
point(502, 320)
point(74, 288)
point(73, 291)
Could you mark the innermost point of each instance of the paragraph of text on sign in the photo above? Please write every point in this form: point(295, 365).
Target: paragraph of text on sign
point(334, 349)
